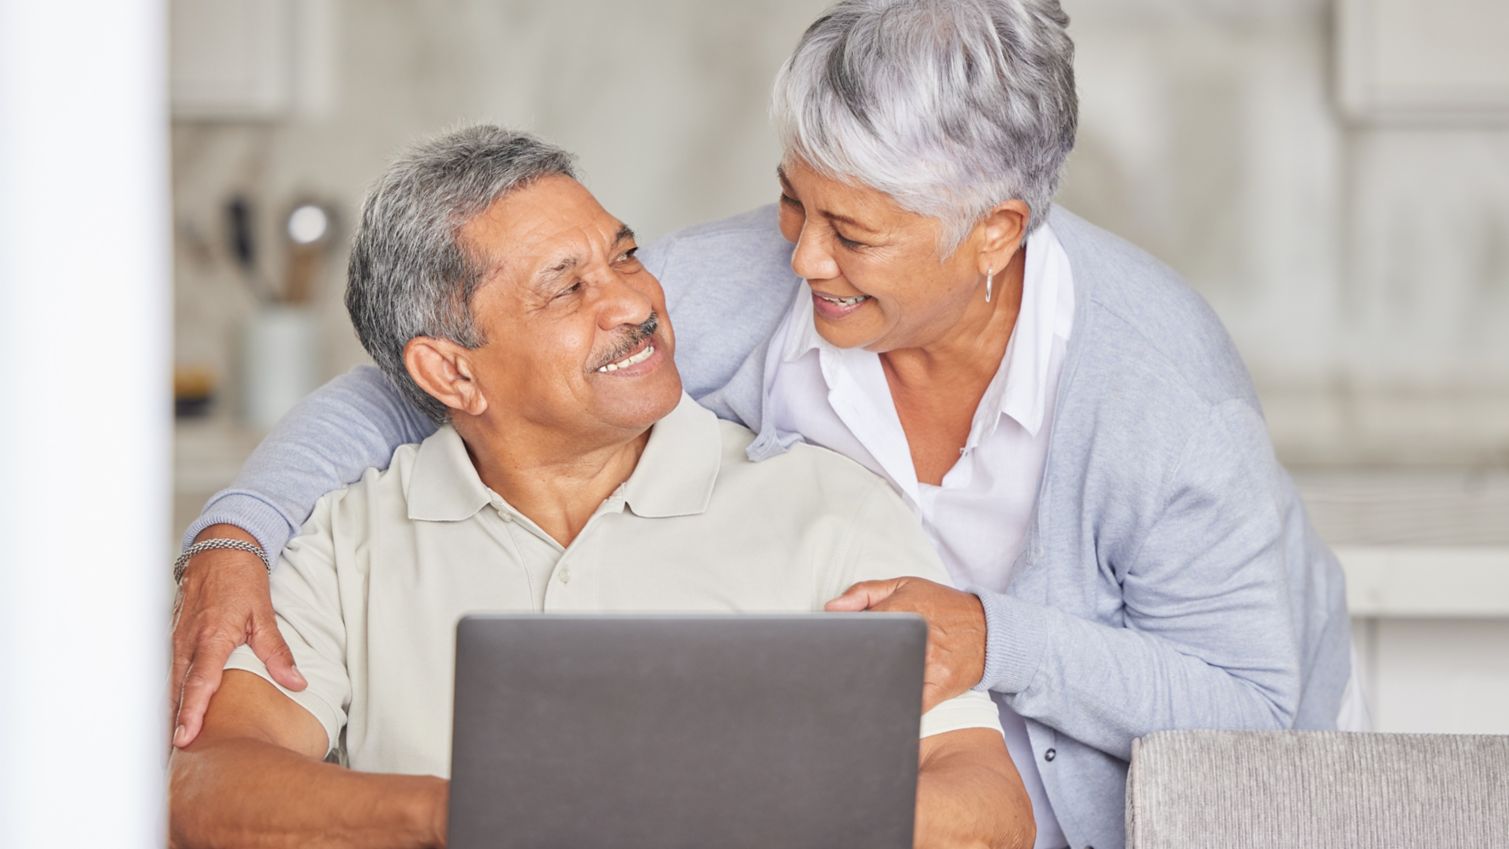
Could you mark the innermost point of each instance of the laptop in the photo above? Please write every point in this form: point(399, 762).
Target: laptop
point(669, 731)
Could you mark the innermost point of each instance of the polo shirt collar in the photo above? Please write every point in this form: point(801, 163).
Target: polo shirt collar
point(674, 477)
point(679, 466)
point(444, 485)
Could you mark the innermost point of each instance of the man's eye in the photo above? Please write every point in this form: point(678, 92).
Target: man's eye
point(569, 290)
point(630, 255)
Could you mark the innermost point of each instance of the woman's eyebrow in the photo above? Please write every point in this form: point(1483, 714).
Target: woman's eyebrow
point(844, 219)
point(780, 173)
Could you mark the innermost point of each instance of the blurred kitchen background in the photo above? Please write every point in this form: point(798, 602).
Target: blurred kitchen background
point(1333, 175)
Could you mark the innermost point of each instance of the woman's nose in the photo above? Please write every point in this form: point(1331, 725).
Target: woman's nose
point(812, 259)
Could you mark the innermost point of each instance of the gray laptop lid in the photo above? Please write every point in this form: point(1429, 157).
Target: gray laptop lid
point(686, 731)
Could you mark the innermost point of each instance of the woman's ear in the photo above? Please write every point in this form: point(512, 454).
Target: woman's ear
point(1002, 232)
point(444, 370)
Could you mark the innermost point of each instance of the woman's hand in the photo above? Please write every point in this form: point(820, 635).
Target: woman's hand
point(224, 601)
point(955, 629)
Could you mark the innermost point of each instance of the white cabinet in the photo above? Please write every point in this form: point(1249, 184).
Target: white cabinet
point(1448, 676)
point(1416, 61)
point(251, 60)
point(1426, 556)
point(231, 59)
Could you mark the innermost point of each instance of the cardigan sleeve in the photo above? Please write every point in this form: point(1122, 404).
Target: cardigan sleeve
point(1206, 637)
point(349, 425)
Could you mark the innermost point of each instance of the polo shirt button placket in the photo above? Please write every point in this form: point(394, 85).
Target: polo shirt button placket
point(1050, 755)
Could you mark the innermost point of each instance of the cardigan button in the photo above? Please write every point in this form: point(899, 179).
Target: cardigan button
point(1049, 756)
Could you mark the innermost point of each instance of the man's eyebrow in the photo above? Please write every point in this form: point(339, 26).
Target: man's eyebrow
point(780, 173)
point(545, 276)
point(556, 270)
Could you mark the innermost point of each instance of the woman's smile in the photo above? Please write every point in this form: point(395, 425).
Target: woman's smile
point(835, 308)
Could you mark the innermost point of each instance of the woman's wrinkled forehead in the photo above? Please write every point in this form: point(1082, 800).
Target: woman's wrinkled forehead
point(859, 208)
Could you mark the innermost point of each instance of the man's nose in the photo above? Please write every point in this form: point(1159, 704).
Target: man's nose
point(621, 303)
point(812, 258)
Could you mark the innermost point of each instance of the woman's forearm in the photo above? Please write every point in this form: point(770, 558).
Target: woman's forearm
point(1212, 625)
point(1143, 682)
point(246, 792)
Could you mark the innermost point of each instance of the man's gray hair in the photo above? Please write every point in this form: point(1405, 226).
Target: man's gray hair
point(951, 107)
point(410, 274)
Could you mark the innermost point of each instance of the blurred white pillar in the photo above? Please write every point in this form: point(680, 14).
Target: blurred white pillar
point(84, 423)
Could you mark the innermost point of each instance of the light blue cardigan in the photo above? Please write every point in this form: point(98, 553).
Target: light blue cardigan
point(1170, 578)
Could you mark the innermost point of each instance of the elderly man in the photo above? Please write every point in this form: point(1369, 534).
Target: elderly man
point(573, 475)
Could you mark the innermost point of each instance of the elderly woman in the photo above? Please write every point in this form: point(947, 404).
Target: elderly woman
point(1069, 421)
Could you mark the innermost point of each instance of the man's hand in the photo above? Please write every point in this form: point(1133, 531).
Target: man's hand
point(223, 602)
point(955, 629)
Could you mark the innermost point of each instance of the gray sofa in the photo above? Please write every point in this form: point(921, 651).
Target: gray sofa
point(1317, 789)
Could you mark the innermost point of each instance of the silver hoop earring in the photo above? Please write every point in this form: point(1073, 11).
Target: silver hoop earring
point(990, 279)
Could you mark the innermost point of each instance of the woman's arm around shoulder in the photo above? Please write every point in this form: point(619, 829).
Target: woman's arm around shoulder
point(351, 424)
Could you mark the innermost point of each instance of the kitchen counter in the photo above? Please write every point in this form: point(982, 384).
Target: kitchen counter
point(1418, 543)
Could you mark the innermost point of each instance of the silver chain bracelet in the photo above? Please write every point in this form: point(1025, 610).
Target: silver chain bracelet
point(217, 545)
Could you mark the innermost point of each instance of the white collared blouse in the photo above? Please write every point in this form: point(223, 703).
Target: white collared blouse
point(977, 519)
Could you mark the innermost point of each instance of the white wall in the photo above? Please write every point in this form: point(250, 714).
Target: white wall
point(84, 354)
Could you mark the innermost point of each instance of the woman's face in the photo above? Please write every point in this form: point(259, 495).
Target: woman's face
point(873, 268)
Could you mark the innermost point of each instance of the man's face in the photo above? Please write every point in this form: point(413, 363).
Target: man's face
point(578, 342)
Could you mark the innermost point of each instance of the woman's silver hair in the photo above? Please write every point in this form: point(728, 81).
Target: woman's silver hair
point(410, 274)
point(951, 107)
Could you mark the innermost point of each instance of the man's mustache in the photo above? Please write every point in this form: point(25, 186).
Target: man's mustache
point(632, 339)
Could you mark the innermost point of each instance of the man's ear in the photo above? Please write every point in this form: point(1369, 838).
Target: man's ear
point(1002, 232)
point(444, 370)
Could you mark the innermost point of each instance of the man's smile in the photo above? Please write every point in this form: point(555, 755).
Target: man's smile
point(646, 350)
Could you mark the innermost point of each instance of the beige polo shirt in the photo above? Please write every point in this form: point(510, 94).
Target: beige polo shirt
point(369, 593)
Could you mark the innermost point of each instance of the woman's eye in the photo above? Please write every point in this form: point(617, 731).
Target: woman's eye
point(789, 201)
point(848, 243)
